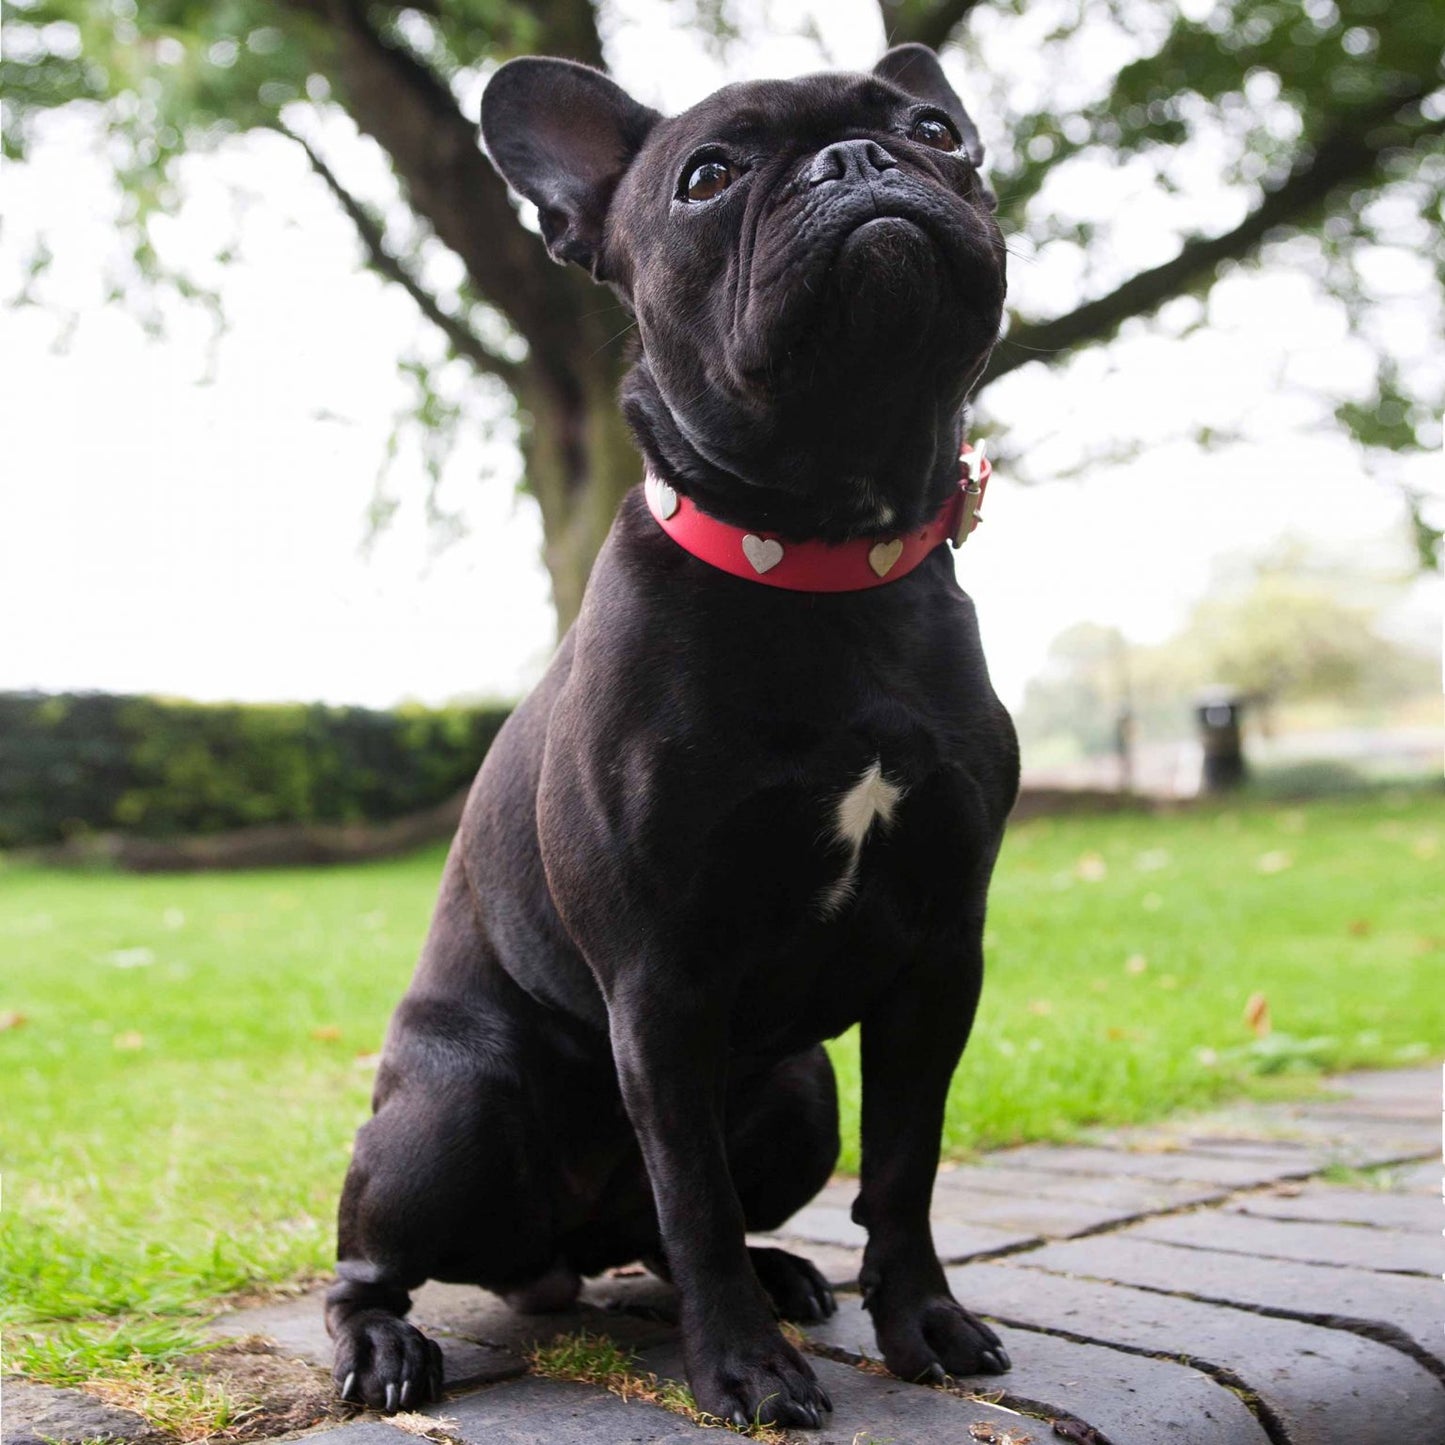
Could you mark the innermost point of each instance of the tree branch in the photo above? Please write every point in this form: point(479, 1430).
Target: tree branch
point(928, 22)
point(1344, 157)
point(569, 29)
point(397, 101)
point(463, 340)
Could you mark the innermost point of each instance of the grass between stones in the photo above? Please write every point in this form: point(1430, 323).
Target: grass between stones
point(186, 1058)
point(139, 1366)
point(596, 1360)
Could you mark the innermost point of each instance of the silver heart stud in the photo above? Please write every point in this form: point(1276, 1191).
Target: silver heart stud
point(882, 556)
point(664, 499)
point(763, 555)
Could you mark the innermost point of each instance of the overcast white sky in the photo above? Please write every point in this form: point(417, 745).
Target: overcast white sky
point(163, 535)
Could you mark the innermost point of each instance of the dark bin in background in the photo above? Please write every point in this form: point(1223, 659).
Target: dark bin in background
point(1218, 712)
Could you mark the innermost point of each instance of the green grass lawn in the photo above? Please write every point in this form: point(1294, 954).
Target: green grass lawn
point(185, 1059)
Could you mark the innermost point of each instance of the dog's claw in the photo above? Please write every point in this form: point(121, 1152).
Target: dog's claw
point(347, 1387)
point(826, 1399)
point(996, 1362)
point(406, 1392)
point(934, 1374)
point(738, 1420)
point(391, 1399)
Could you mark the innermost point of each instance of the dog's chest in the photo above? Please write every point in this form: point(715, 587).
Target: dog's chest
point(868, 804)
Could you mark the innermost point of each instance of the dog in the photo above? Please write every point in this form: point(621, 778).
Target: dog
point(757, 796)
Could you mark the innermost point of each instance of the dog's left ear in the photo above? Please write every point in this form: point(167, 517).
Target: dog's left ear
point(562, 134)
point(915, 68)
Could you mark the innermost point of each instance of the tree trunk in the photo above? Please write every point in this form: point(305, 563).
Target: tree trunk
point(580, 462)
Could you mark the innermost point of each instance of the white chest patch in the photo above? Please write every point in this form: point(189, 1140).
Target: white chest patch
point(872, 799)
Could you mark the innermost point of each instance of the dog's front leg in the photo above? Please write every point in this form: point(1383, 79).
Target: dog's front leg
point(911, 1043)
point(671, 1052)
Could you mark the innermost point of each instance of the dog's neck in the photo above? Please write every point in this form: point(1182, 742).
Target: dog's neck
point(813, 487)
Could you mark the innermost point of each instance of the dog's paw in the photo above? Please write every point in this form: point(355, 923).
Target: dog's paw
point(797, 1290)
point(763, 1382)
point(937, 1339)
point(386, 1363)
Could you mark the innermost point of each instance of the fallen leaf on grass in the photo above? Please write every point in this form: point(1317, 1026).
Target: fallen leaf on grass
point(11, 1019)
point(1275, 861)
point(130, 1039)
point(1359, 927)
point(1041, 1006)
point(131, 958)
point(1136, 963)
point(1092, 868)
point(1256, 1015)
point(326, 1033)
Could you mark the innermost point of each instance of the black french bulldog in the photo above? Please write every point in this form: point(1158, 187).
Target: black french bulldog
point(732, 820)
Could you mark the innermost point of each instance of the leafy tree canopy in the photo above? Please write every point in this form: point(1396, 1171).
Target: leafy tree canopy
point(1319, 125)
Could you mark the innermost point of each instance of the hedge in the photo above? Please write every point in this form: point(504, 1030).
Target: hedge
point(74, 763)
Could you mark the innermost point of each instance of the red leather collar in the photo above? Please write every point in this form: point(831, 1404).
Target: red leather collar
point(812, 565)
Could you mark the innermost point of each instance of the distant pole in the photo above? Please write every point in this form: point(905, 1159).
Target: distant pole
point(1124, 725)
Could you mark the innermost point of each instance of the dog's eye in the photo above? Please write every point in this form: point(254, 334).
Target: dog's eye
point(709, 179)
point(936, 134)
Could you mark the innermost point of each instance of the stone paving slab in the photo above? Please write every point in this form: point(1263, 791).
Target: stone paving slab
point(1038, 1216)
point(36, 1414)
point(969, 1197)
point(1361, 1143)
point(1427, 1177)
point(1418, 1087)
point(1125, 1194)
point(827, 1224)
point(1129, 1398)
point(1335, 1204)
point(1319, 1386)
point(1202, 1168)
point(1390, 1250)
point(535, 1411)
point(1387, 1304)
point(871, 1409)
point(1358, 1140)
point(362, 1432)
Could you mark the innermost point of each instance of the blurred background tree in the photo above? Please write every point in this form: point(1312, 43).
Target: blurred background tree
point(1322, 122)
point(1298, 635)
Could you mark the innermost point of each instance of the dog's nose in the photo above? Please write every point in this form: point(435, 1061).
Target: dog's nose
point(849, 160)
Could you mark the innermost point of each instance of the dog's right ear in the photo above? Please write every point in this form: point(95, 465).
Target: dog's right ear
point(562, 135)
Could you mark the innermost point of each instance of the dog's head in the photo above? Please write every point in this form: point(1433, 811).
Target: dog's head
point(814, 267)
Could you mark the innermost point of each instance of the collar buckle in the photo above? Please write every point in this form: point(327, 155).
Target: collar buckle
point(976, 472)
